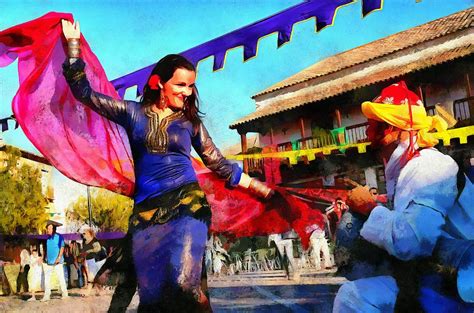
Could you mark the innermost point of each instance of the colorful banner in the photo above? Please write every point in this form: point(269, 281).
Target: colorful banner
point(324, 11)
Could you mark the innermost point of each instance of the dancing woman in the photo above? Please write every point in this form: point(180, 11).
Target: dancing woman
point(171, 216)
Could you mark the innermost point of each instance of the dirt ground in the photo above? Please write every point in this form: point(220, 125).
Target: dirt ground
point(75, 303)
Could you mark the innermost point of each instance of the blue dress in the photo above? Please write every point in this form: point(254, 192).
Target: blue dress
point(171, 216)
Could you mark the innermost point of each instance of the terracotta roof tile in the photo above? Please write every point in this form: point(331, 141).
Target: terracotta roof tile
point(376, 49)
point(321, 92)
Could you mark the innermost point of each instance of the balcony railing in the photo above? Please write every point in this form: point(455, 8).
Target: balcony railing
point(353, 134)
point(357, 133)
point(314, 142)
point(286, 146)
point(255, 165)
point(431, 110)
point(461, 109)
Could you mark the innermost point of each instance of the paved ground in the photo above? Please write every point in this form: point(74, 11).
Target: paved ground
point(228, 294)
point(282, 298)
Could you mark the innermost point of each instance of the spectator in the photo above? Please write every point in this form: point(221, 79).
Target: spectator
point(35, 272)
point(3, 280)
point(22, 279)
point(68, 263)
point(319, 245)
point(75, 251)
point(54, 260)
point(94, 255)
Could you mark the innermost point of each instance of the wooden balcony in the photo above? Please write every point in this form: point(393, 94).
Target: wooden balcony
point(355, 137)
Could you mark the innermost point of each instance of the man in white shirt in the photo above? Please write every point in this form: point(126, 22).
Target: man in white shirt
point(422, 192)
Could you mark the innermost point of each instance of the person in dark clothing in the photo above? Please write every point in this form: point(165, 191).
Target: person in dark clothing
point(22, 279)
point(68, 262)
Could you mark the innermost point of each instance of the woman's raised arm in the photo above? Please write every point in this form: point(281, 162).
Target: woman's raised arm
point(73, 70)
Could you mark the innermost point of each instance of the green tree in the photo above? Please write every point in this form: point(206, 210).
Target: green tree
point(110, 211)
point(22, 203)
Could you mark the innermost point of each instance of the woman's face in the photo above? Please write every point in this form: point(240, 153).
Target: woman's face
point(178, 88)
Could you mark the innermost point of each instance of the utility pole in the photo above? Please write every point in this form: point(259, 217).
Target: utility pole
point(89, 205)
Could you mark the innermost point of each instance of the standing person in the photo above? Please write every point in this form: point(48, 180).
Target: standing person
point(68, 264)
point(4, 284)
point(54, 260)
point(35, 273)
point(93, 254)
point(22, 279)
point(77, 262)
point(319, 245)
point(285, 252)
point(220, 256)
point(171, 216)
point(208, 255)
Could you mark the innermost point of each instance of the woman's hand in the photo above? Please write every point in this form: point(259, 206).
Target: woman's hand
point(70, 30)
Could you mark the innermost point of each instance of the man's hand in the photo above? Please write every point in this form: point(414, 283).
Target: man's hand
point(360, 200)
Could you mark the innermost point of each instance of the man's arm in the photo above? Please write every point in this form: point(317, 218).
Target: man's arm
point(59, 255)
point(405, 235)
point(61, 250)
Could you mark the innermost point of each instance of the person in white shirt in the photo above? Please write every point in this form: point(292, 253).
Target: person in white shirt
point(319, 245)
point(35, 273)
point(427, 222)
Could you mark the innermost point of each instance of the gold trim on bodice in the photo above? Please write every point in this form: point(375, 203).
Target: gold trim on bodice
point(156, 139)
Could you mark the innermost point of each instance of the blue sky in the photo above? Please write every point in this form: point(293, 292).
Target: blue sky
point(128, 35)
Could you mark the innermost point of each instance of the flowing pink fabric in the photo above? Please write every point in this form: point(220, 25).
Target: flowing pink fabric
point(90, 149)
point(81, 144)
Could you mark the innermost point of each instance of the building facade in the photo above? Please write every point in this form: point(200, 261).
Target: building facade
point(311, 123)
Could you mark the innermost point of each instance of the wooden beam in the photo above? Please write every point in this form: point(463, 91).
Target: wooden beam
point(303, 143)
point(301, 120)
point(470, 103)
point(243, 143)
point(468, 85)
point(338, 118)
point(421, 94)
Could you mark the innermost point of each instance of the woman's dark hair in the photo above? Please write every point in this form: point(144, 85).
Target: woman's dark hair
point(165, 69)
